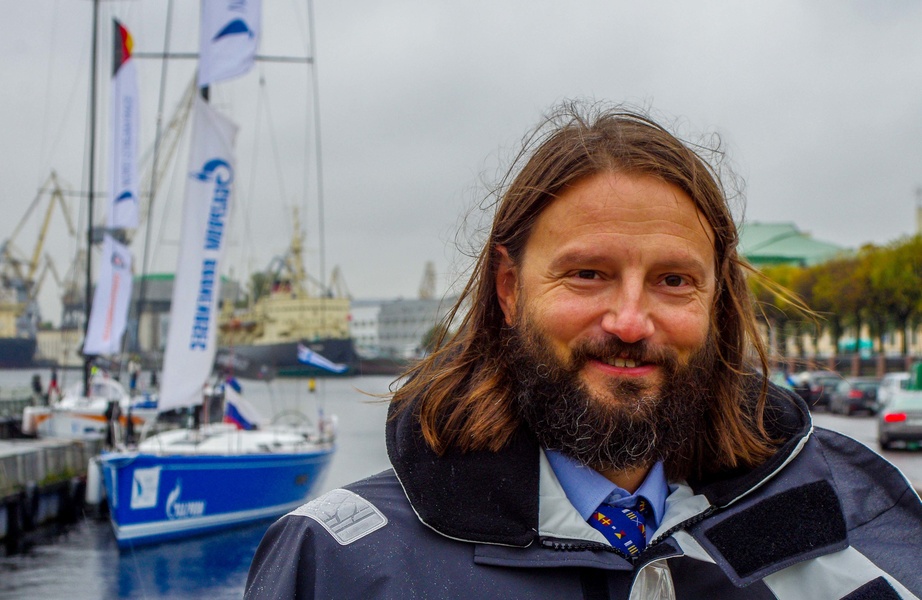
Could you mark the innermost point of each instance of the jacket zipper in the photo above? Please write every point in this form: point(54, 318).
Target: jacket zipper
point(575, 547)
point(710, 510)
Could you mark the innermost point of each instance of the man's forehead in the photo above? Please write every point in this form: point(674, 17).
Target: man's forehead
point(631, 204)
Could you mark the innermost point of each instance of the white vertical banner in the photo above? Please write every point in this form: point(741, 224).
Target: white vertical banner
point(192, 338)
point(111, 300)
point(228, 39)
point(124, 116)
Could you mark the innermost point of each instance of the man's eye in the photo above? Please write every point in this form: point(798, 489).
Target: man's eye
point(673, 280)
point(586, 274)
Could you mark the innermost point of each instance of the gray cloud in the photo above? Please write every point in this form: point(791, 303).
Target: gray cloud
point(819, 105)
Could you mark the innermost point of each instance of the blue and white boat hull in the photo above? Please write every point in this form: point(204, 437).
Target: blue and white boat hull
point(155, 497)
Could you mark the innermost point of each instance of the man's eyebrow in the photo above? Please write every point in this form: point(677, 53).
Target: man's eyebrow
point(576, 257)
point(683, 264)
point(580, 256)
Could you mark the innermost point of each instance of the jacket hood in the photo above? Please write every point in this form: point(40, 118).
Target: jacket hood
point(492, 497)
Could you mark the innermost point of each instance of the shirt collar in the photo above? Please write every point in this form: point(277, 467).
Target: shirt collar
point(586, 488)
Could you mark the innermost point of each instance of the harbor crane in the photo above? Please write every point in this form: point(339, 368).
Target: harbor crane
point(20, 275)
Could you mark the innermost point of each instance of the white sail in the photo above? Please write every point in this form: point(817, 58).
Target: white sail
point(229, 38)
point(192, 338)
point(110, 300)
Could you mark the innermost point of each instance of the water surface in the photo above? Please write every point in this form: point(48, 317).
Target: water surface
point(84, 562)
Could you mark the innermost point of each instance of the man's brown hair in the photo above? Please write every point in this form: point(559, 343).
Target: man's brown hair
point(462, 393)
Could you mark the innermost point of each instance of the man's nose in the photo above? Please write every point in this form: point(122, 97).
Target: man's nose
point(628, 315)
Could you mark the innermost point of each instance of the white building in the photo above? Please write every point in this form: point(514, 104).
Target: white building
point(363, 326)
point(395, 328)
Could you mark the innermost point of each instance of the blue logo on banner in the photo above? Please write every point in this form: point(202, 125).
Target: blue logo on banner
point(235, 27)
point(126, 195)
point(209, 171)
point(220, 172)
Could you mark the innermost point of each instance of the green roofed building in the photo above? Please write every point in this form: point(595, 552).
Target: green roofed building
point(766, 244)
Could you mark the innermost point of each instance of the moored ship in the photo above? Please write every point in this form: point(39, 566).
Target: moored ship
point(17, 330)
point(262, 340)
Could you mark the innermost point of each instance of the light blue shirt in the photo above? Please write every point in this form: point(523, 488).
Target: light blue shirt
point(586, 488)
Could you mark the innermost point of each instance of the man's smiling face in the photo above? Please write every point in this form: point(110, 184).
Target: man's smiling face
point(617, 279)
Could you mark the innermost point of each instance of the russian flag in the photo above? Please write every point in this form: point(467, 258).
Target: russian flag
point(232, 415)
point(238, 411)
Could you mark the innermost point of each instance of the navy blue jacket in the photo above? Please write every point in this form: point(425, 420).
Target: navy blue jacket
point(825, 517)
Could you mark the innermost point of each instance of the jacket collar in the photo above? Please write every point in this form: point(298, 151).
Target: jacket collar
point(492, 497)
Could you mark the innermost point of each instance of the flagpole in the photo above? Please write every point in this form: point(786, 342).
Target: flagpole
point(318, 145)
point(88, 359)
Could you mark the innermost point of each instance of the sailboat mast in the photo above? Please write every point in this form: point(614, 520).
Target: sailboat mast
point(318, 146)
point(91, 181)
point(142, 293)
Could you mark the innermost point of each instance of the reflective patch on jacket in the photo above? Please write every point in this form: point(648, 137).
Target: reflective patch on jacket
point(344, 514)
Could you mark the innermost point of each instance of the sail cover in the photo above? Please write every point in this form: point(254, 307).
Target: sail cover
point(228, 39)
point(109, 313)
point(192, 337)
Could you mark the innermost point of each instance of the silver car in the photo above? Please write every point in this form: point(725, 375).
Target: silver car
point(889, 384)
point(900, 420)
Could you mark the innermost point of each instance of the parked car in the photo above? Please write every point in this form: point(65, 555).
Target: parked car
point(815, 386)
point(889, 384)
point(854, 394)
point(901, 419)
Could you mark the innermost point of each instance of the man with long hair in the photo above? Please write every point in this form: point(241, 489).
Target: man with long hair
point(599, 422)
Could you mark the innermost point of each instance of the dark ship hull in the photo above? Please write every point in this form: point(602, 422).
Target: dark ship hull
point(265, 361)
point(380, 365)
point(16, 352)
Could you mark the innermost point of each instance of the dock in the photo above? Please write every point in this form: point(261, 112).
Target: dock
point(41, 481)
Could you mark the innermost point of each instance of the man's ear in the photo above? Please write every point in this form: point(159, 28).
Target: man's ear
point(507, 283)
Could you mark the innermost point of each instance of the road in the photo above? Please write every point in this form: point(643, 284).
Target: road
point(864, 429)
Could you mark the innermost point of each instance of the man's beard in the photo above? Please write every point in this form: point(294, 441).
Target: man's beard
point(633, 424)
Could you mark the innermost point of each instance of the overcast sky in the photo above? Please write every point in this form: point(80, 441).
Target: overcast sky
point(818, 105)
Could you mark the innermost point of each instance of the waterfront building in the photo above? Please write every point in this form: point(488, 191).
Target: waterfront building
point(363, 326)
point(402, 324)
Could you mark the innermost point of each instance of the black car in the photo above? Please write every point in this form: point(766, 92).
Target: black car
point(854, 394)
point(815, 386)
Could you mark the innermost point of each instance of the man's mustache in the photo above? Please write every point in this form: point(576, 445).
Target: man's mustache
point(641, 352)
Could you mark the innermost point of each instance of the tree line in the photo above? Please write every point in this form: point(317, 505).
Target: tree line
point(877, 286)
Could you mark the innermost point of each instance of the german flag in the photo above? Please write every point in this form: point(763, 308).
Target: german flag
point(122, 46)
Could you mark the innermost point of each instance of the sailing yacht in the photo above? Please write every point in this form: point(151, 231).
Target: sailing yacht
point(227, 472)
point(230, 465)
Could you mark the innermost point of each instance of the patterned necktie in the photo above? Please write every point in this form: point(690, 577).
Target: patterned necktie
point(624, 528)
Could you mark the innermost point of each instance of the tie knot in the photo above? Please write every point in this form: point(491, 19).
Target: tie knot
point(623, 527)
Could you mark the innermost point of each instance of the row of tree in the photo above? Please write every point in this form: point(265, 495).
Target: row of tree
point(877, 286)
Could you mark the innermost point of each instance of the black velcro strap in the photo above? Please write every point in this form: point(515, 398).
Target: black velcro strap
point(877, 589)
point(793, 523)
point(594, 583)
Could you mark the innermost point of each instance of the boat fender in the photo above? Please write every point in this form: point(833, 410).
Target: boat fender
point(94, 487)
point(344, 514)
point(29, 419)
